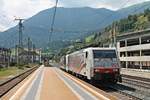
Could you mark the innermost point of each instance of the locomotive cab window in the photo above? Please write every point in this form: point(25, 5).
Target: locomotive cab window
point(105, 58)
point(104, 53)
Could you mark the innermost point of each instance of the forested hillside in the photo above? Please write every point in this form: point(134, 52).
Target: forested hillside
point(72, 24)
point(131, 23)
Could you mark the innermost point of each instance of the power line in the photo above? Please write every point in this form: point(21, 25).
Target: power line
point(53, 21)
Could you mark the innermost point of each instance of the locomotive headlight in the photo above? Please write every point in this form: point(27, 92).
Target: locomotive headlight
point(96, 70)
point(115, 70)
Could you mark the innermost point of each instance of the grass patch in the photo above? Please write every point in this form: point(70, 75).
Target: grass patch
point(11, 71)
point(14, 70)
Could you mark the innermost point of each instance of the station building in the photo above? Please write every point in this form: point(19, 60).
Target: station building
point(4, 57)
point(26, 56)
point(134, 49)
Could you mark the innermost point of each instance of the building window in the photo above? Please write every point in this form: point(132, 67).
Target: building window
point(145, 52)
point(133, 64)
point(123, 64)
point(122, 43)
point(145, 65)
point(131, 42)
point(145, 40)
point(133, 53)
point(122, 54)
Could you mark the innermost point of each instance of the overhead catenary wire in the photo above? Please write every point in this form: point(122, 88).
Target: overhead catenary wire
point(53, 21)
point(103, 21)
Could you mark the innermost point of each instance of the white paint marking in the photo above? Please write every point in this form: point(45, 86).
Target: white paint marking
point(78, 95)
point(37, 97)
point(92, 96)
point(88, 88)
point(31, 85)
point(24, 85)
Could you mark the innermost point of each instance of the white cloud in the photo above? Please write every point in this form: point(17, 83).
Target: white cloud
point(110, 4)
point(22, 9)
point(25, 8)
point(2, 28)
point(28, 8)
point(118, 4)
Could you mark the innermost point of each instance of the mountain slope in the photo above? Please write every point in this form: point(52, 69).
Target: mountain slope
point(138, 8)
point(70, 24)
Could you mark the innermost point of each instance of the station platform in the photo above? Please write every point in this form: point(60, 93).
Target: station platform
point(50, 83)
point(136, 72)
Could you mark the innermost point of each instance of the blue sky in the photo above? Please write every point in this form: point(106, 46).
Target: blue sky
point(10, 9)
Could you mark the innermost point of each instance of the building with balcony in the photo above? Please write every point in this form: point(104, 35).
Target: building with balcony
point(134, 49)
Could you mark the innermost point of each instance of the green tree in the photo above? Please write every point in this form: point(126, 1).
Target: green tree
point(142, 22)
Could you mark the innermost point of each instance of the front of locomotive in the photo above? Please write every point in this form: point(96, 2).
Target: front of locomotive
point(106, 66)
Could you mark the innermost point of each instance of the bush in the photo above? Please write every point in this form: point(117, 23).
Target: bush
point(40, 63)
point(13, 64)
point(27, 66)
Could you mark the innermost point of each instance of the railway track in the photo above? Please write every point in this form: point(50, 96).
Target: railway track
point(105, 88)
point(122, 89)
point(140, 84)
point(136, 87)
point(129, 91)
point(8, 85)
point(136, 78)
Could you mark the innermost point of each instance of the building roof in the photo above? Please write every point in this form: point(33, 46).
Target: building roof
point(132, 34)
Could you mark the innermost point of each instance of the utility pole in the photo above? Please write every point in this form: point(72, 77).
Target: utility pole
point(113, 33)
point(40, 56)
point(29, 49)
point(20, 44)
point(34, 51)
point(16, 54)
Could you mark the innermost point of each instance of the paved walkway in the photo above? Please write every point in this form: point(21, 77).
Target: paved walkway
point(54, 88)
point(50, 83)
point(138, 73)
